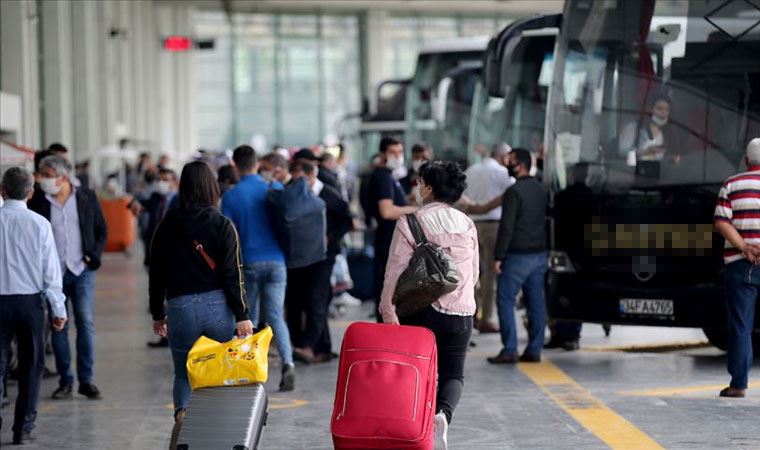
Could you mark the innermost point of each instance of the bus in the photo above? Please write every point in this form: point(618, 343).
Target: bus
point(509, 101)
point(453, 112)
point(631, 233)
point(386, 116)
point(435, 63)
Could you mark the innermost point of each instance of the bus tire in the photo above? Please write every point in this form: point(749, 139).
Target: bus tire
point(718, 337)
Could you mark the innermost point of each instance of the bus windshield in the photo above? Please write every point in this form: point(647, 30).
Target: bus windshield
point(518, 118)
point(456, 93)
point(422, 96)
point(653, 94)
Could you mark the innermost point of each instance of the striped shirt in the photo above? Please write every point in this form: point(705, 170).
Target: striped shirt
point(739, 205)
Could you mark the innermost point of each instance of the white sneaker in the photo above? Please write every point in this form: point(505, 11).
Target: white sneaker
point(441, 429)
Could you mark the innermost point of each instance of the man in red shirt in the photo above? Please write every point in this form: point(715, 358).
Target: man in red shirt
point(736, 218)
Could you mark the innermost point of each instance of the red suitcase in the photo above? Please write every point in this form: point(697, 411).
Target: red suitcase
point(385, 396)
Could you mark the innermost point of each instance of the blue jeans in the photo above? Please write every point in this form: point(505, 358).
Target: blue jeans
point(265, 284)
point(79, 289)
point(189, 317)
point(742, 283)
point(522, 271)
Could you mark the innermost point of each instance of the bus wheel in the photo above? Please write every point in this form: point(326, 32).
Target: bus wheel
point(718, 337)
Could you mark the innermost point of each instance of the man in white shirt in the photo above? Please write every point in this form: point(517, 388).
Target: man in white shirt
point(30, 272)
point(486, 181)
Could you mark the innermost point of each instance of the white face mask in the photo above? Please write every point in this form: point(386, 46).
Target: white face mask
point(394, 163)
point(164, 187)
point(417, 195)
point(267, 175)
point(49, 187)
point(660, 122)
point(417, 164)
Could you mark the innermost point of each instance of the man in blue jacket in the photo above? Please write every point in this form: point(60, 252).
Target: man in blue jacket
point(265, 271)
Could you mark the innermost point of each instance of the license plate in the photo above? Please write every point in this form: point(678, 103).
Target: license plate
point(646, 307)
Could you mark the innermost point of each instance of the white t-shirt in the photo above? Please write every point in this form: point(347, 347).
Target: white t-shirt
point(485, 181)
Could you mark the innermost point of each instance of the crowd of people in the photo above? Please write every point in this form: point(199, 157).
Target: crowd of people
point(234, 245)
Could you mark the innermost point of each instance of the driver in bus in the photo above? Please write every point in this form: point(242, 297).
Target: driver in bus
point(652, 135)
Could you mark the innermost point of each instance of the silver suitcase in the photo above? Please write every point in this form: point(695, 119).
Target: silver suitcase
point(224, 418)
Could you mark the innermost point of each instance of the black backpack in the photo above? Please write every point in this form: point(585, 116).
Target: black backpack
point(431, 274)
point(298, 219)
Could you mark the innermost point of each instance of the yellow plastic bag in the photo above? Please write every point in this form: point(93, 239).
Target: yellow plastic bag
point(239, 361)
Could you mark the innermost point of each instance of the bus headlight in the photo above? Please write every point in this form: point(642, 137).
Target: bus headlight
point(559, 262)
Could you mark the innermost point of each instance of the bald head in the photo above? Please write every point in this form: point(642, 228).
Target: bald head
point(753, 152)
point(499, 151)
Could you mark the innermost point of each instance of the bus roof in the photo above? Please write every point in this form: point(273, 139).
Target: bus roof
point(457, 45)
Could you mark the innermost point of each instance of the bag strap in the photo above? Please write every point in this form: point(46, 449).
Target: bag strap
point(414, 226)
point(199, 248)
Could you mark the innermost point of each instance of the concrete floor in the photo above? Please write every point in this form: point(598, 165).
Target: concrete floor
point(667, 398)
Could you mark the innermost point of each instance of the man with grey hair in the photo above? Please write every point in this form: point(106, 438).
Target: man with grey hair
point(29, 274)
point(80, 232)
point(737, 220)
point(486, 182)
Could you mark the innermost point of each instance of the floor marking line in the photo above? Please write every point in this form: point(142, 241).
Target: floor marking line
point(610, 427)
point(665, 392)
point(656, 347)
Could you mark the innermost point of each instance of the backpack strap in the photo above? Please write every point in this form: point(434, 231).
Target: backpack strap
point(414, 226)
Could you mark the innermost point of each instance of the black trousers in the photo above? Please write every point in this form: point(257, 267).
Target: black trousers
point(378, 272)
point(452, 337)
point(23, 316)
point(307, 299)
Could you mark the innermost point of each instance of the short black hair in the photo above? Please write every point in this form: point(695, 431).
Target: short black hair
point(306, 154)
point(523, 157)
point(165, 171)
point(276, 160)
point(420, 147)
point(198, 186)
point(387, 142)
point(17, 183)
point(245, 158)
point(57, 147)
point(446, 179)
point(39, 156)
point(302, 166)
point(227, 174)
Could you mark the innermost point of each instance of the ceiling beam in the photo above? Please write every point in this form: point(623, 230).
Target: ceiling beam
point(443, 7)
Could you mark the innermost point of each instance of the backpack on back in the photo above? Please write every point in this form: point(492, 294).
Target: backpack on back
point(298, 219)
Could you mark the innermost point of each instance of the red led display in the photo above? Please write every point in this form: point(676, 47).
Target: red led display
point(178, 43)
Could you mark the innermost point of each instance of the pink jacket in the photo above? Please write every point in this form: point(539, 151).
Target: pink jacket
point(455, 232)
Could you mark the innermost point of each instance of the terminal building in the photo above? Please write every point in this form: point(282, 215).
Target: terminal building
point(314, 224)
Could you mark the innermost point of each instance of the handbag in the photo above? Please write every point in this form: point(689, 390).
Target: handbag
point(431, 274)
point(239, 361)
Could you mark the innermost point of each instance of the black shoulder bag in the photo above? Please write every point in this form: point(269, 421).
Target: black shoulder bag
point(431, 274)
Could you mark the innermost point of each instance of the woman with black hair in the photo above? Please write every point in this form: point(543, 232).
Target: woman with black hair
point(450, 318)
point(195, 266)
point(652, 136)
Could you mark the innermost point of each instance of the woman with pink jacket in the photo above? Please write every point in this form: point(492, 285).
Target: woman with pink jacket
point(450, 318)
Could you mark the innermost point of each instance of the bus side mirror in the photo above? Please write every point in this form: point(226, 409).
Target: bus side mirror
point(440, 100)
